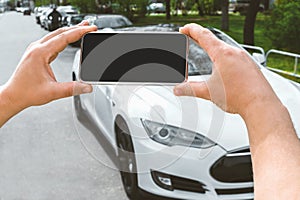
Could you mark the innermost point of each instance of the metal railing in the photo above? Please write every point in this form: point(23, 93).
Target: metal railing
point(262, 58)
point(296, 56)
point(261, 50)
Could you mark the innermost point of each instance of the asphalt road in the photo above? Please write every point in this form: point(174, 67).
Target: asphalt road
point(42, 155)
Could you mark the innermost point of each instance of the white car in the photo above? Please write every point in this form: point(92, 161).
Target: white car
point(169, 147)
point(156, 8)
point(2, 9)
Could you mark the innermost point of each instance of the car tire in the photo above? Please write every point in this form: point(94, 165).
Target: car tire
point(127, 161)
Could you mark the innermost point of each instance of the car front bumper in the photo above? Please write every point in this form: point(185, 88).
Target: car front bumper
point(191, 173)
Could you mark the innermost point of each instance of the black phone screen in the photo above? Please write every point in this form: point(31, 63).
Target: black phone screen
point(134, 57)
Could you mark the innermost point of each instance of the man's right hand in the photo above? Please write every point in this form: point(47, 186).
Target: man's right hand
point(236, 81)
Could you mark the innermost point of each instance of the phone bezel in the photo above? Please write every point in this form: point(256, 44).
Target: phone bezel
point(134, 83)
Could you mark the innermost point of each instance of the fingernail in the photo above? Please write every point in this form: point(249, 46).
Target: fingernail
point(177, 91)
point(180, 29)
point(87, 89)
point(84, 22)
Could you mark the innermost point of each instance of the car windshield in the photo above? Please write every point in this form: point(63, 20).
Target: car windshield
point(76, 19)
point(111, 22)
point(72, 12)
point(199, 62)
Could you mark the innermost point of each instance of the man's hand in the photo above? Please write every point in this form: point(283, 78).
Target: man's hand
point(236, 81)
point(33, 82)
point(238, 86)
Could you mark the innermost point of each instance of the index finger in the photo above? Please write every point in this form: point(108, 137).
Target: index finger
point(204, 37)
point(61, 41)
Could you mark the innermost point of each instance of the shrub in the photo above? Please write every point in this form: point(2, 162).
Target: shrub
point(283, 26)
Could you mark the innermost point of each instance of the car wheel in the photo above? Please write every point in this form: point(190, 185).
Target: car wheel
point(127, 161)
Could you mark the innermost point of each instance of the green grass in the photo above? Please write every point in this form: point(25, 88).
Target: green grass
point(282, 62)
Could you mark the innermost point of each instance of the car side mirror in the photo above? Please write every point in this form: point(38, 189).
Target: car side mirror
point(259, 58)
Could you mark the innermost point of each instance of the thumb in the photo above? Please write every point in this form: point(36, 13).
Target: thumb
point(68, 89)
point(195, 89)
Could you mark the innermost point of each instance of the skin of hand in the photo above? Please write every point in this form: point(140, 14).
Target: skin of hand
point(227, 83)
point(238, 86)
point(33, 82)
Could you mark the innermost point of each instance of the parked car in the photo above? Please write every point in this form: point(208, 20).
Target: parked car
point(241, 6)
point(2, 9)
point(69, 10)
point(27, 11)
point(43, 17)
point(156, 8)
point(73, 20)
point(20, 9)
point(65, 12)
point(105, 21)
point(47, 22)
point(111, 21)
point(38, 11)
point(176, 147)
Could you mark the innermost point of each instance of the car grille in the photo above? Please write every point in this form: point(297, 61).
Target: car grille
point(234, 167)
point(234, 191)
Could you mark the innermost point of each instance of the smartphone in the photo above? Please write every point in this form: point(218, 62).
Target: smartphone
point(133, 57)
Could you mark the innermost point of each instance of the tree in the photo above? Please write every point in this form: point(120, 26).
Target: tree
point(250, 22)
point(225, 17)
point(200, 7)
point(168, 9)
point(266, 4)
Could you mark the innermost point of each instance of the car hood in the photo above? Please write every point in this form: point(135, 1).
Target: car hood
point(151, 28)
point(158, 103)
point(289, 94)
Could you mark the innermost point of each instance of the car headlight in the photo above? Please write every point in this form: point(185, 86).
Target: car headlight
point(172, 135)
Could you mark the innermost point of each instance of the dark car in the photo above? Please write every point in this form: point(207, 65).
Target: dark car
point(52, 20)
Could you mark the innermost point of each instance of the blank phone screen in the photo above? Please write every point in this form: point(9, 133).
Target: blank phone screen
point(134, 57)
